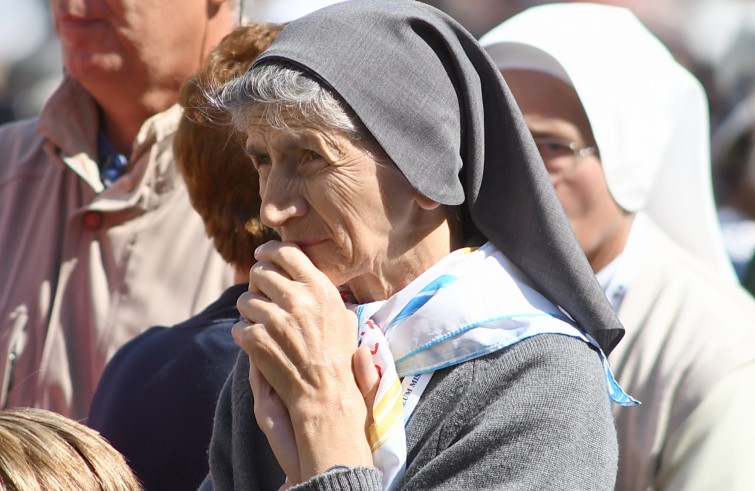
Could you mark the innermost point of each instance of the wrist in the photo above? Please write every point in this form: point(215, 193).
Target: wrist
point(331, 434)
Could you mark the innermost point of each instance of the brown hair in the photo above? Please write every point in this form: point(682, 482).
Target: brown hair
point(222, 183)
point(40, 449)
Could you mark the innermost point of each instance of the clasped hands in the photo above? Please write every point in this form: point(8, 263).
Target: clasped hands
point(313, 389)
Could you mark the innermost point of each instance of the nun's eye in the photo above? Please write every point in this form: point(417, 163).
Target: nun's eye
point(551, 148)
point(314, 155)
point(261, 160)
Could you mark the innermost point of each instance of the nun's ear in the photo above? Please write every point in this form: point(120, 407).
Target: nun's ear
point(426, 203)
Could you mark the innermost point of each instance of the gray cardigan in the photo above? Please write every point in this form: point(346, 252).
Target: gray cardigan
point(532, 416)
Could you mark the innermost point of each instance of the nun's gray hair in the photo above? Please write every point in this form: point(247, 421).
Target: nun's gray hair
point(285, 91)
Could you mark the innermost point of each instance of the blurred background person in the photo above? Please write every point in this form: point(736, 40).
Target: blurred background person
point(734, 179)
point(721, 34)
point(623, 132)
point(29, 58)
point(99, 239)
point(156, 399)
point(43, 450)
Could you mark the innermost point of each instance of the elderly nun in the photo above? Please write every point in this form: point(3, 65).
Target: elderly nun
point(418, 223)
point(623, 131)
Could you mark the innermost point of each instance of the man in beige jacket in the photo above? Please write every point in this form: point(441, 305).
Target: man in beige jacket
point(623, 131)
point(98, 240)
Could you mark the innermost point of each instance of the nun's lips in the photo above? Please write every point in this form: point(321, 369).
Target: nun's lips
point(307, 243)
point(310, 246)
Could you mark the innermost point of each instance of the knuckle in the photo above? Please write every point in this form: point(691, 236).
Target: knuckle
point(287, 254)
point(244, 334)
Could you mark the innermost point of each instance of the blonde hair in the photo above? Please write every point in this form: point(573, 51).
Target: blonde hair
point(42, 450)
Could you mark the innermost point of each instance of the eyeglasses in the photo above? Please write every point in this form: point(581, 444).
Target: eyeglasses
point(561, 156)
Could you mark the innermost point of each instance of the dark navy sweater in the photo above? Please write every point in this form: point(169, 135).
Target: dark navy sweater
point(156, 400)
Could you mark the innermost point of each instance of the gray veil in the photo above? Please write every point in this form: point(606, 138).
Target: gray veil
point(438, 106)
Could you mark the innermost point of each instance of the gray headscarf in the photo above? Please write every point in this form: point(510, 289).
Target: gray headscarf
point(438, 106)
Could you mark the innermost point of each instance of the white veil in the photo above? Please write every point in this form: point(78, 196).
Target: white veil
point(648, 114)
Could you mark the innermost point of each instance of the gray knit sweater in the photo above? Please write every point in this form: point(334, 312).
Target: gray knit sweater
point(532, 416)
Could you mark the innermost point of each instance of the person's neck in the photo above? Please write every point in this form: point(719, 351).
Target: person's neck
point(122, 118)
point(240, 275)
point(613, 244)
point(397, 273)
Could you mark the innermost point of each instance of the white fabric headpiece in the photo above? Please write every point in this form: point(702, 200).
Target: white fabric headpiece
point(648, 114)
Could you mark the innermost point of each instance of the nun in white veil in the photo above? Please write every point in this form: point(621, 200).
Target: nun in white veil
point(689, 336)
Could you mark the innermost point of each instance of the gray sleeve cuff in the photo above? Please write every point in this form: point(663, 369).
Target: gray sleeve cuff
point(344, 478)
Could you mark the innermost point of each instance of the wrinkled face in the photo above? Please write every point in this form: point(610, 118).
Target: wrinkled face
point(343, 202)
point(131, 39)
point(554, 113)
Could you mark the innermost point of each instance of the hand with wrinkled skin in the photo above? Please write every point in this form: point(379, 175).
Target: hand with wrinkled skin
point(272, 416)
point(274, 421)
point(367, 379)
point(302, 340)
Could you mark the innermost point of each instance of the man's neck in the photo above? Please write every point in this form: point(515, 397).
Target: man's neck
point(121, 119)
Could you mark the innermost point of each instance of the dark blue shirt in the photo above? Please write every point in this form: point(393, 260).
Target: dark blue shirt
point(156, 400)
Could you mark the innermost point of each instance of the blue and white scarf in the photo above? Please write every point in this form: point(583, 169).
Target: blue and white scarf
point(469, 304)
